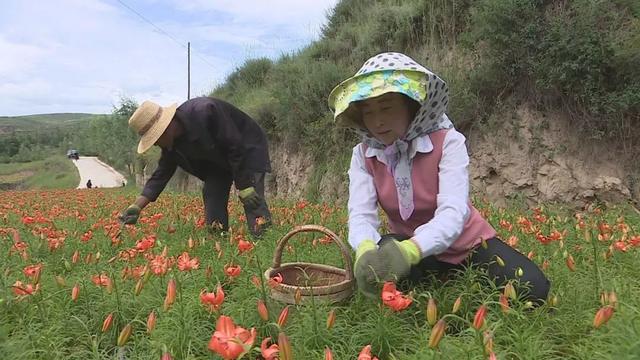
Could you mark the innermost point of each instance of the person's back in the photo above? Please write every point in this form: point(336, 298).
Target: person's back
point(89, 185)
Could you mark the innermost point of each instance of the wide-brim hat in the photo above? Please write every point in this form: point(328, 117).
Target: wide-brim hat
point(149, 121)
point(385, 73)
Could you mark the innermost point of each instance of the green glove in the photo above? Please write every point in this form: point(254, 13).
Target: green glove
point(397, 258)
point(364, 268)
point(250, 198)
point(130, 215)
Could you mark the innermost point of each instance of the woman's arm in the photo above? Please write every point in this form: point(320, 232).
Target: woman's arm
point(452, 210)
point(363, 202)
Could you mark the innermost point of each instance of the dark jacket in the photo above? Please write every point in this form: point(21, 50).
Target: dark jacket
point(218, 139)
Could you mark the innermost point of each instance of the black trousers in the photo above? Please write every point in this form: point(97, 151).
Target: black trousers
point(215, 194)
point(533, 284)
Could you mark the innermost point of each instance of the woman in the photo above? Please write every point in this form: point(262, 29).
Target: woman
point(414, 164)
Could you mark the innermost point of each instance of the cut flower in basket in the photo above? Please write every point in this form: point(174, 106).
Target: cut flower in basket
point(394, 298)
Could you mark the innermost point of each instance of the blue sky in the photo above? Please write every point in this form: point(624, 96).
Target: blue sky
point(84, 55)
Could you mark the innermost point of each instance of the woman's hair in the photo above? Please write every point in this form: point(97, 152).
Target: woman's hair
point(355, 112)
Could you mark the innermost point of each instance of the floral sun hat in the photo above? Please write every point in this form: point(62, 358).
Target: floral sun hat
point(394, 72)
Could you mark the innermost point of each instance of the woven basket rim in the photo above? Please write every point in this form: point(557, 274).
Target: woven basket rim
point(340, 284)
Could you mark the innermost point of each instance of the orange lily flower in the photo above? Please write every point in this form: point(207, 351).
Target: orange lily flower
point(32, 270)
point(394, 298)
point(186, 263)
point(232, 271)
point(275, 280)
point(231, 341)
point(271, 352)
point(244, 246)
point(212, 301)
point(21, 289)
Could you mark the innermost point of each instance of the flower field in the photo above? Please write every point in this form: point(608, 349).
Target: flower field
point(74, 284)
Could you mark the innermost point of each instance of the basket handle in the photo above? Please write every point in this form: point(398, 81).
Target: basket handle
point(277, 256)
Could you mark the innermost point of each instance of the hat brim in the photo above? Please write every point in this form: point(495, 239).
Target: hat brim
point(153, 134)
point(343, 115)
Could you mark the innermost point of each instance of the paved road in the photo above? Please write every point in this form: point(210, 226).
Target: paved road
point(101, 174)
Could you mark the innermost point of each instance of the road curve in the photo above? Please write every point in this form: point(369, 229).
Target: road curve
point(101, 174)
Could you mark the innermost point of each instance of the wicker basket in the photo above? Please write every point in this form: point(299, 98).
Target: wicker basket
point(326, 283)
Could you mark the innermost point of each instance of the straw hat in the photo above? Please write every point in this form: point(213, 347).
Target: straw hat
point(149, 121)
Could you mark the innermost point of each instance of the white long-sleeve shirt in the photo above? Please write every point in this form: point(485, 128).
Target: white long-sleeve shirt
point(452, 210)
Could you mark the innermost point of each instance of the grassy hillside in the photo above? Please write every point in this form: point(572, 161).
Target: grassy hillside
point(36, 137)
point(580, 57)
point(36, 122)
point(55, 172)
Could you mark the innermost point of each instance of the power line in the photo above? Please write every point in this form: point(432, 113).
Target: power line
point(164, 32)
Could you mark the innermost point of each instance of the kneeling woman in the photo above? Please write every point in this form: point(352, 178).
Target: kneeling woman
point(414, 164)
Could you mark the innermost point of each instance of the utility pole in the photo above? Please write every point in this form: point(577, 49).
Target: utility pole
point(188, 70)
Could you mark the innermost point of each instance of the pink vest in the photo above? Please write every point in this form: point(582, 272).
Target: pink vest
point(424, 176)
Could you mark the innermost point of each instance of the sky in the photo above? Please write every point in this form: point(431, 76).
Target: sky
point(85, 55)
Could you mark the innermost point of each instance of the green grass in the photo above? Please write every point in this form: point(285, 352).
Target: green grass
point(56, 172)
point(50, 325)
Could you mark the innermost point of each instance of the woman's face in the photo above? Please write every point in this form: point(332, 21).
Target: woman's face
point(387, 116)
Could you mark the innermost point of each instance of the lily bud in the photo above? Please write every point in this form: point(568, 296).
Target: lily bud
point(139, 286)
point(437, 332)
point(456, 305)
point(602, 316)
point(106, 324)
point(510, 291)
point(60, 281)
point(570, 263)
point(286, 353)
point(613, 299)
point(284, 315)
point(488, 342)
point(124, 335)
point(75, 292)
point(262, 310)
point(432, 312)
point(75, 257)
point(297, 297)
point(331, 319)
point(151, 322)
point(504, 303)
point(171, 294)
point(478, 319)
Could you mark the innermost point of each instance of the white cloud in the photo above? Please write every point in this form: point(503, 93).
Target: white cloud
point(83, 55)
